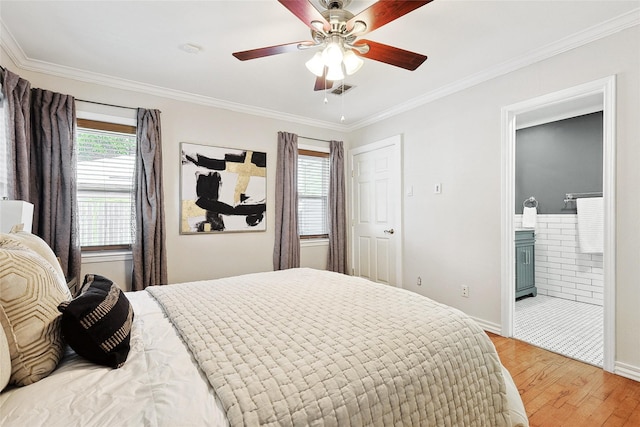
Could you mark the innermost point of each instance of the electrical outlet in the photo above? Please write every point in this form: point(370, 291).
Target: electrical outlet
point(465, 291)
point(419, 282)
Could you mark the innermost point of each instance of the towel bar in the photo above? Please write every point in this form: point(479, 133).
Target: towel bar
point(531, 200)
point(571, 197)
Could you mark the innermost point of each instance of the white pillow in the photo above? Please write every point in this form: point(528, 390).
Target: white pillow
point(516, 407)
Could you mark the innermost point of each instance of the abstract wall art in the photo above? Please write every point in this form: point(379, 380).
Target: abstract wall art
point(222, 189)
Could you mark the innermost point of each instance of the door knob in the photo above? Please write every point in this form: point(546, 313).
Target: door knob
point(390, 231)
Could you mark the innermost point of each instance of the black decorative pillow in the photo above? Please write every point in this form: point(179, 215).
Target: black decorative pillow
point(97, 324)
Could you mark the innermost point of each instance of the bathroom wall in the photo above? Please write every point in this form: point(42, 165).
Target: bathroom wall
point(561, 270)
point(556, 158)
point(551, 160)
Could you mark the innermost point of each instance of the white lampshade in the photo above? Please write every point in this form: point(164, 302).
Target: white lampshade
point(335, 73)
point(332, 54)
point(351, 62)
point(315, 64)
point(336, 60)
point(13, 212)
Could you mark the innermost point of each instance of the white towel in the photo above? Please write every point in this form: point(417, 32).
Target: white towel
point(591, 225)
point(529, 217)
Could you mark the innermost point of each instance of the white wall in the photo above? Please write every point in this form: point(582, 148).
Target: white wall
point(450, 239)
point(453, 238)
point(197, 257)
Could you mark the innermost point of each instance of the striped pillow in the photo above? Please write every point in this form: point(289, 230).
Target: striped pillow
point(97, 324)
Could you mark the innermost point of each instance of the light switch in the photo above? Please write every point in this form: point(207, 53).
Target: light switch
point(410, 191)
point(437, 188)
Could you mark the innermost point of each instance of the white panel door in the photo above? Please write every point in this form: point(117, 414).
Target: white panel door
point(375, 218)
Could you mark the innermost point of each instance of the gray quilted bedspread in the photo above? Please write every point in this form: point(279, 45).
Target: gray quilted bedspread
point(304, 347)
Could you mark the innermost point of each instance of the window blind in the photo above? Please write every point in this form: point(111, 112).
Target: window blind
point(105, 172)
point(313, 188)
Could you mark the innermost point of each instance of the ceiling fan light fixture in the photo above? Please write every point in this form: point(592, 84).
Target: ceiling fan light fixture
point(335, 72)
point(335, 32)
point(316, 64)
point(352, 63)
point(333, 54)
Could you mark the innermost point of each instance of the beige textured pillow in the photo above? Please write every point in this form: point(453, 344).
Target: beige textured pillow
point(41, 247)
point(5, 359)
point(31, 292)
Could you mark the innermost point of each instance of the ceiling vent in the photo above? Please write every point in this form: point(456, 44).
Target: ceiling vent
point(342, 89)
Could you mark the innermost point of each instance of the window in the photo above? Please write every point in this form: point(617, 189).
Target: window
point(106, 154)
point(313, 189)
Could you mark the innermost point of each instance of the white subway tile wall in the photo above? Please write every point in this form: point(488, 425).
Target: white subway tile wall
point(561, 270)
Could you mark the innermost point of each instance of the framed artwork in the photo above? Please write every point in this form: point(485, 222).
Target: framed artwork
point(222, 189)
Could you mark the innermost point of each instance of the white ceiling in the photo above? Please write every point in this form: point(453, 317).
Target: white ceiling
point(136, 44)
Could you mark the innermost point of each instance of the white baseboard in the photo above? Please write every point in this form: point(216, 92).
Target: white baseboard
point(488, 326)
point(622, 369)
point(627, 371)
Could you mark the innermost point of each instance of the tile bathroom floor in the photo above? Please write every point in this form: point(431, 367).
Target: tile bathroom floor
point(571, 328)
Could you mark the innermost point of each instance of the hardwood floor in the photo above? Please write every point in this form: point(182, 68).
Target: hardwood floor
point(558, 391)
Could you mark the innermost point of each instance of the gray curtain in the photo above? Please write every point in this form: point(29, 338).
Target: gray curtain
point(149, 249)
point(53, 176)
point(337, 256)
point(17, 93)
point(286, 251)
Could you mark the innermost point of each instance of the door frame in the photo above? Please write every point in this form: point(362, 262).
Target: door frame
point(606, 87)
point(396, 143)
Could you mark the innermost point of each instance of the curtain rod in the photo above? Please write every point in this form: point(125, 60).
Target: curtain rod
point(105, 104)
point(313, 139)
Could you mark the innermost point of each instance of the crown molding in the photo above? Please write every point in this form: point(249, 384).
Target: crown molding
point(10, 45)
point(19, 58)
point(597, 32)
point(612, 26)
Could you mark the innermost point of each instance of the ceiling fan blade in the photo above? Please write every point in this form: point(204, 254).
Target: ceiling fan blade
point(391, 55)
point(322, 83)
point(385, 11)
point(271, 50)
point(305, 12)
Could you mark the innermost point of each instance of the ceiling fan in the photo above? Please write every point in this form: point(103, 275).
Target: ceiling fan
point(336, 30)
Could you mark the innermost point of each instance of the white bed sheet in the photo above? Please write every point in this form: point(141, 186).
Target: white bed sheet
point(159, 385)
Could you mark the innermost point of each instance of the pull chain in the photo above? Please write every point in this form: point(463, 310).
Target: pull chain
point(342, 102)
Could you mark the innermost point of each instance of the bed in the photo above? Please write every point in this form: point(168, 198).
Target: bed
point(295, 347)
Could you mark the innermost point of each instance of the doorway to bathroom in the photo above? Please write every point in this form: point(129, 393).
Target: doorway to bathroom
point(558, 167)
point(558, 222)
